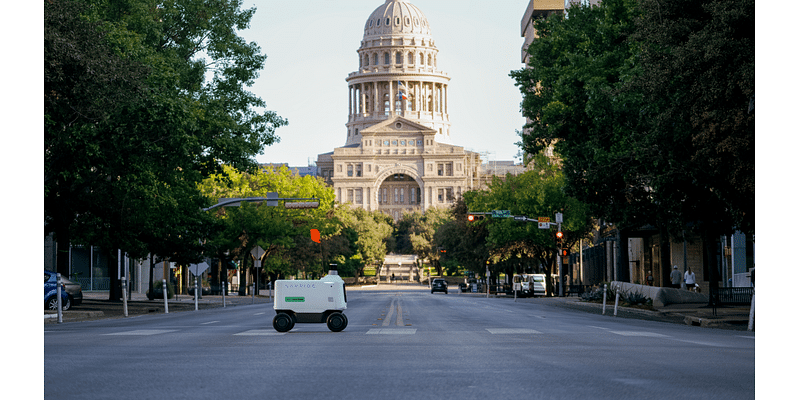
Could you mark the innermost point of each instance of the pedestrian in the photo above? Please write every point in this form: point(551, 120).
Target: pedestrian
point(675, 277)
point(689, 278)
point(650, 278)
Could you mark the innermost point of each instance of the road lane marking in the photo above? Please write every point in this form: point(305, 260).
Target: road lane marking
point(142, 332)
point(394, 307)
point(392, 331)
point(639, 333)
point(701, 343)
point(512, 331)
point(259, 332)
point(209, 322)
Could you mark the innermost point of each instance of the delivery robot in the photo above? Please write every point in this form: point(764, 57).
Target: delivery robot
point(311, 301)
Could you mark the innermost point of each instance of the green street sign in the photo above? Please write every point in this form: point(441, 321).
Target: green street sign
point(501, 214)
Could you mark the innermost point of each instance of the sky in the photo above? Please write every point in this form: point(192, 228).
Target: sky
point(311, 47)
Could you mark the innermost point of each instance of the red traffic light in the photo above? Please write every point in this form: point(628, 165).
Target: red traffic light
point(470, 218)
point(560, 235)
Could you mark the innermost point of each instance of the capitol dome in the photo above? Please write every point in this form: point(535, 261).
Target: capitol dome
point(396, 17)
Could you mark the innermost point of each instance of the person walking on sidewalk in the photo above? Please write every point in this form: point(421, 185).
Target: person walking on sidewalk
point(689, 278)
point(675, 277)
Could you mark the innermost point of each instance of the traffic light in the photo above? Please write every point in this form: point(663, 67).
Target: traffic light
point(474, 217)
point(564, 253)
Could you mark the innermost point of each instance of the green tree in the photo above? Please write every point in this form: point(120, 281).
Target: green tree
point(144, 99)
point(573, 95)
point(698, 76)
point(415, 233)
point(538, 192)
point(647, 107)
point(369, 232)
point(465, 242)
point(283, 233)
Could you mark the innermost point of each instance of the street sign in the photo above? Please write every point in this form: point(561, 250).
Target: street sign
point(559, 218)
point(198, 269)
point(544, 222)
point(501, 214)
point(257, 253)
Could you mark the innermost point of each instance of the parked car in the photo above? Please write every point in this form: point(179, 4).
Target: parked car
point(439, 285)
point(74, 290)
point(51, 290)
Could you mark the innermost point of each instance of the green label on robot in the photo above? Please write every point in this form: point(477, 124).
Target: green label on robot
point(295, 299)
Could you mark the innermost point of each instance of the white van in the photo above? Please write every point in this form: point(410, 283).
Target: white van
point(530, 285)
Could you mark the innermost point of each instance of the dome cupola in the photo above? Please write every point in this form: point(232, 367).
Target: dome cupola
point(396, 17)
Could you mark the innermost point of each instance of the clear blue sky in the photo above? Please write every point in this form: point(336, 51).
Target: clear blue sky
point(311, 48)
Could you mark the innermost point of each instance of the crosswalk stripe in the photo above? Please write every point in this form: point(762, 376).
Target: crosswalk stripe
point(512, 331)
point(141, 332)
point(638, 333)
point(392, 331)
point(260, 332)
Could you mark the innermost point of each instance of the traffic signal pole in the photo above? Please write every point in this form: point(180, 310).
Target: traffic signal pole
point(560, 266)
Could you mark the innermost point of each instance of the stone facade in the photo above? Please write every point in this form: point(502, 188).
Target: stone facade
point(398, 156)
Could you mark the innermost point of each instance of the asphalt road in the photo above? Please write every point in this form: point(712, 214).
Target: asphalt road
point(397, 345)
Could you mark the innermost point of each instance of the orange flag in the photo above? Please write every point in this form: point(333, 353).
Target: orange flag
point(315, 235)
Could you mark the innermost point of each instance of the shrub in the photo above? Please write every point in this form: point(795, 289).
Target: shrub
point(158, 291)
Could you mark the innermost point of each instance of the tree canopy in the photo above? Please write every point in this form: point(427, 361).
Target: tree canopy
point(647, 106)
point(142, 101)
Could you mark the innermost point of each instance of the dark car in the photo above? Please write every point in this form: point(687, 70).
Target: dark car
point(439, 285)
point(50, 293)
point(74, 290)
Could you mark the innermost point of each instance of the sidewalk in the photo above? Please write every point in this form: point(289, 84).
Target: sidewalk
point(694, 314)
point(96, 305)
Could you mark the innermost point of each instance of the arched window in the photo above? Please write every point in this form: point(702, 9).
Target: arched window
point(375, 59)
point(411, 58)
point(366, 60)
point(421, 59)
point(386, 59)
point(398, 58)
point(430, 60)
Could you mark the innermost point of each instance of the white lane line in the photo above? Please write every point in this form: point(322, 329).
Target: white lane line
point(392, 331)
point(142, 332)
point(512, 331)
point(209, 322)
point(639, 333)
point(260, 332)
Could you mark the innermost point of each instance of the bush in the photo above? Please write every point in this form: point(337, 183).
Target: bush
point(634, 298)
point(158, 291)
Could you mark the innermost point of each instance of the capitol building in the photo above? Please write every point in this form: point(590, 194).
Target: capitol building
point(398, 155)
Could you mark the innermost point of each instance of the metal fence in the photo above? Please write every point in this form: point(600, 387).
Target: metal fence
point(731, 295)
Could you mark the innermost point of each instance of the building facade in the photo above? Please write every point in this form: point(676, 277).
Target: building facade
point(398, 155)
